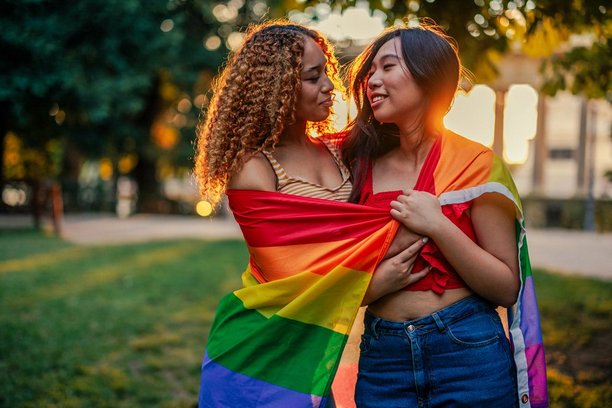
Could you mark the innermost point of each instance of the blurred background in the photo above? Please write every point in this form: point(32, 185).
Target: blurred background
point(111, 267)
point(100, 99)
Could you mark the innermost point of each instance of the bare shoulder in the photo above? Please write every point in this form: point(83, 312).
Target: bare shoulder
point(495, 202)
point(493, 217)
point(256, 174)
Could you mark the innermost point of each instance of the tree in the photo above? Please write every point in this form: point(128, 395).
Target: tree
point(483, 29)
point(95, 74)
point(125, 79)
point(541, 28)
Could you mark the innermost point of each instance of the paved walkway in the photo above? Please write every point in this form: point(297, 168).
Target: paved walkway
point(565, 251)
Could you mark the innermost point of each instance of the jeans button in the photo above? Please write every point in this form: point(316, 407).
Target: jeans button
point(411, 328)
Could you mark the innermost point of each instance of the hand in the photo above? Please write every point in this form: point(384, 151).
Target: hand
point(403, 239)
point(418, 211)
point(395, 273)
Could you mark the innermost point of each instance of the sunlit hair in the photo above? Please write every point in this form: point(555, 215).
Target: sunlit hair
point(433, 61)
point(253, 101)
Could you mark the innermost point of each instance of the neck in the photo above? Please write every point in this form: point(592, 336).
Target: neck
point(414, 146)
point(294, 134)
point(411, 138)
point(417, 137)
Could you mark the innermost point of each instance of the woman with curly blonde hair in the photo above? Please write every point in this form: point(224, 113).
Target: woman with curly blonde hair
point(278, 340)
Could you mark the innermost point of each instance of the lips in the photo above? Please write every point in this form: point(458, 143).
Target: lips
point(327, 102)
point(377, 99)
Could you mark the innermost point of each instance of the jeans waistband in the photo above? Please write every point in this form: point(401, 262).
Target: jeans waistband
point(438, 320)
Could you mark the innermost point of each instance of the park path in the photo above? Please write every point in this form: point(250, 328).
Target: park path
point(565, 251)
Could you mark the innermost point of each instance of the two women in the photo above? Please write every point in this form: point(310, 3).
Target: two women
point(278, 340)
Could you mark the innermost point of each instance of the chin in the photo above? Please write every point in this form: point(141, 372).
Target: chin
point(320, 118)
point(381, 118)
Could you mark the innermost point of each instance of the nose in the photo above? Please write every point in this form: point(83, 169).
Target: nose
point(327, 86)
point(374, 80)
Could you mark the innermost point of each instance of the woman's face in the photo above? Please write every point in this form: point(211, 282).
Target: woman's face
point(314, 100)
point(392, 92)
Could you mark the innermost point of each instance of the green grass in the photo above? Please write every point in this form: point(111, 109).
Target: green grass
point(576, 318)
point(126, 325)
point(112, 326)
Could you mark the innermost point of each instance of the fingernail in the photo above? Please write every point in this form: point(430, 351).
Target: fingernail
point(425, 240)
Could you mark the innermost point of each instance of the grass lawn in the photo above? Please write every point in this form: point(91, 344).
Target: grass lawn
point(125, 325)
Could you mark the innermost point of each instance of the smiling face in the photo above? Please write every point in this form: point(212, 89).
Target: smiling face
point(314, 101)
point(392, 91)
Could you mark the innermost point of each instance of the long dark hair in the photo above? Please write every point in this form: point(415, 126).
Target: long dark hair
point(433, 60)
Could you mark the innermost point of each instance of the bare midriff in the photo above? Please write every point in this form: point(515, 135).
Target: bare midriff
point(409, 305)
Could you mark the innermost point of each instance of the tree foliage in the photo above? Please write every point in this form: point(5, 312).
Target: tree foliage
point(127, 78)
point(582, 62)
point(541, 28)
point(97, 75)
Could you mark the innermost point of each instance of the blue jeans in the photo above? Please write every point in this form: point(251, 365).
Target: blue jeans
point(458, 356)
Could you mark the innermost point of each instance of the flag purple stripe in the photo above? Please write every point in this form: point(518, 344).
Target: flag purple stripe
point(227, 388)
point(537, 376)
point(530, 318)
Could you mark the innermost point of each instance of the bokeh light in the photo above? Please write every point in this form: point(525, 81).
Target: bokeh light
point(212, 43)
point(204, 208)
point(473, 115)
point(167, 25)
point(520, 122)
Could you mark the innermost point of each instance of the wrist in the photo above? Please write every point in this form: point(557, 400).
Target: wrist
point(438, 228)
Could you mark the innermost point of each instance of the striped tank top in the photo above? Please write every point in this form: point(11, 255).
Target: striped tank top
point(298, 186)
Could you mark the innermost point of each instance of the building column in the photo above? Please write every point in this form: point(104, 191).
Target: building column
point(498, 135)
point(581, 152)
point(540, 148)
point(589, 208)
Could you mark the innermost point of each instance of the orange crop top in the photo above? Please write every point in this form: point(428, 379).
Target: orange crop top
point(442, 275)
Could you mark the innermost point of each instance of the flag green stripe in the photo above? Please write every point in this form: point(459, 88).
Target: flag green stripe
point(525, 263)
point(278, 350)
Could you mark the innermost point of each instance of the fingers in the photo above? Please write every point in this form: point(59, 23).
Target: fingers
point(401, 203)
point(399, 210)
point(412, 250)
point(397, 205)
point(417, 276)
point(396, 215)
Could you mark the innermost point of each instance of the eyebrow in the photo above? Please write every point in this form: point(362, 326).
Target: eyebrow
point(318, 67)
point(389, 56)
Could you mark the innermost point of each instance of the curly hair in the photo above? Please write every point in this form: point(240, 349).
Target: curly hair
point(253, 101)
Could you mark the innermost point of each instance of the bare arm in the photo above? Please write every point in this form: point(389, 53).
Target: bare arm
point(490, 268)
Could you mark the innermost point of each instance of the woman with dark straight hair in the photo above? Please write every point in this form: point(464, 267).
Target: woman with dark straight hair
point(440, 342)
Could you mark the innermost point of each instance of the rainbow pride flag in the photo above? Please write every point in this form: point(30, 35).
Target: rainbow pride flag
point(277, 342)
point(464, 171)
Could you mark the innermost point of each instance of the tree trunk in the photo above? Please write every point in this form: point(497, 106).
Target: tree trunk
point(149, 197)
point(4, 128)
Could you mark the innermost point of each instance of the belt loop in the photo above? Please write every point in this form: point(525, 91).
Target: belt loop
point(374, 326)
point(439, 322)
